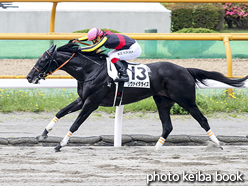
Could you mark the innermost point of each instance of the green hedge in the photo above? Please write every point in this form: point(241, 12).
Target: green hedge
point(196, 30)
point(196, 15)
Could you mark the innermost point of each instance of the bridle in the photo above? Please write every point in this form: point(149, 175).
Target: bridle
point(60, 65)
point(50, 60)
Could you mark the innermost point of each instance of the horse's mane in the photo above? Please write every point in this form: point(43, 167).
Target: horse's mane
point(69, 48)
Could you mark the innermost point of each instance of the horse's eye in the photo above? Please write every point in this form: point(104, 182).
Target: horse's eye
point(43, 59)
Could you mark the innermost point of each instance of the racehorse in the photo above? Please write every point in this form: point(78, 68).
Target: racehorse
point(169, 84)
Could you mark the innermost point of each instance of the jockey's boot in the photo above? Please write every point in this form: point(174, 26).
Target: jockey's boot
point(122, 72)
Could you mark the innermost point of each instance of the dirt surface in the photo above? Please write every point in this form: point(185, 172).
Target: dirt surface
point(105, 166)
point(120, 166)
point(23, 124)
point(240, 66)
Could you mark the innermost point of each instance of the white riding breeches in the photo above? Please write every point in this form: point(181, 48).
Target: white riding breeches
point(127, 54)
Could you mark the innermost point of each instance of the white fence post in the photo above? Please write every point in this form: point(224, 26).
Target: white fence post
point(118, 126)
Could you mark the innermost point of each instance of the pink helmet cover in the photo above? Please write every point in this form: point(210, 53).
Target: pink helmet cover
point(94, 33)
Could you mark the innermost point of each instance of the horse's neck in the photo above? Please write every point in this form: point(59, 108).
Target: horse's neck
point(70, 65)
point(92, 66)
point(79, 67)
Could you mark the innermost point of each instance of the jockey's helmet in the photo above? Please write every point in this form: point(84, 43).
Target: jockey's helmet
point(94, 33)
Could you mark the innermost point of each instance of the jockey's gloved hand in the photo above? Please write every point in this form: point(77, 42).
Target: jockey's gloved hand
point(73, 40)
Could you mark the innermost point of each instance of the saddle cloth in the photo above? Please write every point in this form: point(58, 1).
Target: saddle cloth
point(138, 78)
point(138, 74)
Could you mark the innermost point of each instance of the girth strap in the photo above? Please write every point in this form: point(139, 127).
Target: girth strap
point(119, 93)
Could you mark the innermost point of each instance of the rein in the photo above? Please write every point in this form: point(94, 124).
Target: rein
point(90, 59)
point(81, 43)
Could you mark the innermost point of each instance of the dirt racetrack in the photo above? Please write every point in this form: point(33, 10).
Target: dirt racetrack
point(36, 165)
point(108, 166)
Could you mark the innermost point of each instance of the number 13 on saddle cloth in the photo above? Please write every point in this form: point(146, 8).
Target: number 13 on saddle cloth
point(138, 74)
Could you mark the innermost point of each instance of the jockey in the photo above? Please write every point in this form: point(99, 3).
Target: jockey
point(125, 48)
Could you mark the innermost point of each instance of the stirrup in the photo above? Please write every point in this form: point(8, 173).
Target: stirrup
point(122, 79)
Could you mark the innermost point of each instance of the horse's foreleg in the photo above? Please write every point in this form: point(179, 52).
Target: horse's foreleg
point(74, 106)
point(87, 109)
point(63, 142)
point(48, 128)
point(164, 105)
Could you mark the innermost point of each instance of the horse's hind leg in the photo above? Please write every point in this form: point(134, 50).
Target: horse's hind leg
point(202, 120)
point(74, 106)
point(188, 102)
point(164, 105)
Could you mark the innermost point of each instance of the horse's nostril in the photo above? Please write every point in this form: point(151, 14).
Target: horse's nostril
point(28, 78)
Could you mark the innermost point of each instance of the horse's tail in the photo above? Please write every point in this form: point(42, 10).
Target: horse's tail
point(201, 75)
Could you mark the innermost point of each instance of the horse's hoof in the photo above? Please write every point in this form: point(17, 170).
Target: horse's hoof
point(57, 148)
point(213, 147)
point(42, 138)
point(155, 149)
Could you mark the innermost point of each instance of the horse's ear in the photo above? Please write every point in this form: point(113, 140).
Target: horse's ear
point(54, 54)
point(52, 48)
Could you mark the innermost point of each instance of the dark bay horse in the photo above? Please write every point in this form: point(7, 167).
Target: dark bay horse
point(169, 84)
